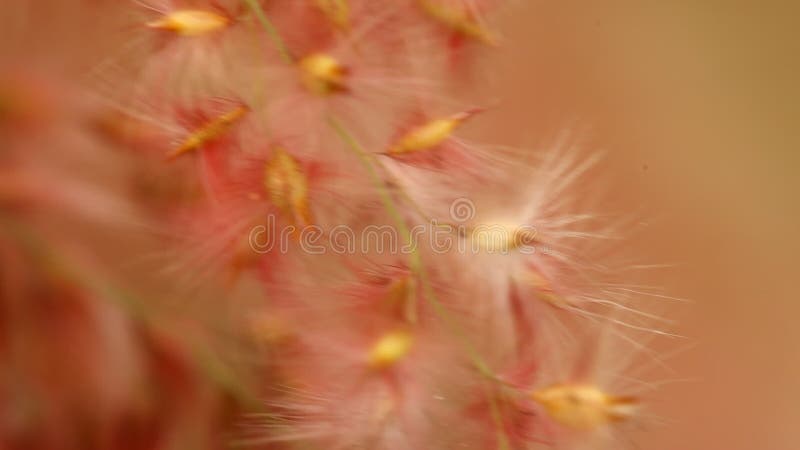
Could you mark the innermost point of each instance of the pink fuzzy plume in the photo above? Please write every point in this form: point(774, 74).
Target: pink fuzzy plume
point(265, 223)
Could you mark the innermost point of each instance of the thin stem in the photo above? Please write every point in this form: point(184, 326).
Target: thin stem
point(383, 191)
point(497, 418)
point(415, 258)
point(276, 38)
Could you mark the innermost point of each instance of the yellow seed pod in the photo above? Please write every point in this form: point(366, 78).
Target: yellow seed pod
point(584, 407)
point(209, 131)
point(430, 134)
point(190, 22)
point(458, 20)
point(337, 12)
point(389, 349)
point(500, 237)
point(424, 137)
point(322, 74)
point(287, 187)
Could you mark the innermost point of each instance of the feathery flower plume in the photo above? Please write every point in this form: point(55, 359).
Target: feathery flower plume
point(260, 222)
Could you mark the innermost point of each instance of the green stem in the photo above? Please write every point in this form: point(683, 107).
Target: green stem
point(415, 259)
point(383, 191)
point(276, 38)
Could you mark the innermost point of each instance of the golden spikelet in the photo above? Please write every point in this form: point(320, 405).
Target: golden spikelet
point(209, 131)
point(190, 22)
point(458, 20)
point(389, 349)
point(323, 74)
point(584, 406)
point(287, 187)
point(429, 135)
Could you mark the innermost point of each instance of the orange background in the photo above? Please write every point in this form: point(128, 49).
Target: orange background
point(696, 104)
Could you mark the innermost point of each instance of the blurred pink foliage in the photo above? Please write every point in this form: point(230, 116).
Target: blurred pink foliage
point(141, 143)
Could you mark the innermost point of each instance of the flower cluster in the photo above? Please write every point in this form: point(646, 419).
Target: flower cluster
point(146, 143)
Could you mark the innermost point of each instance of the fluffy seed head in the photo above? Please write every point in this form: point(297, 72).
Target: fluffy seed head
point(190, 22)
point(390, 348)
point(583, 406)
point(389, 356)
point(323, 74)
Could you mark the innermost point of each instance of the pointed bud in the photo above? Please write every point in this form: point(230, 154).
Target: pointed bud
point(287, 187)
point(430, 134)
point(501, 237)
point(390, 348)
point(209, 131)
point(458, 20)
point(322, 74)
point(190, 22)
point(583, 406)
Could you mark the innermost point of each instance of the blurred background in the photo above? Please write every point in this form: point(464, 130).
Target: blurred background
point(697, 107)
